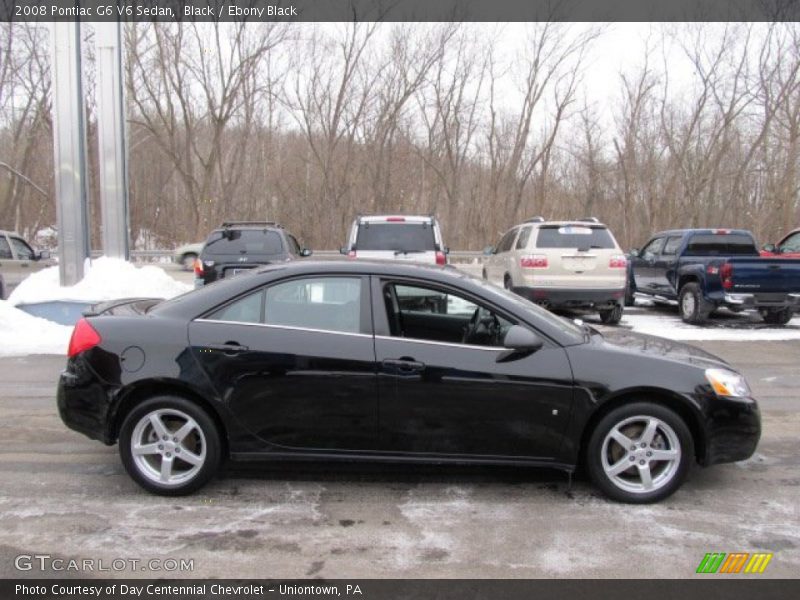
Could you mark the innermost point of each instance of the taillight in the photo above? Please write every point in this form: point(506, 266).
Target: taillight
point(395, 219)
point(198, 267)
point(726, 274)
point(441, 258)
point(351, 254)
point(618, 261)
point(83, 338)
point(533, 261)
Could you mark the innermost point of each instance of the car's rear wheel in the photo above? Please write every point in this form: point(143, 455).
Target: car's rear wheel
point(611, 316)
point(639, 453)
point(169, 446)
point(507, 283)
point(692, 306)
point(779, 316)
point(188, 260)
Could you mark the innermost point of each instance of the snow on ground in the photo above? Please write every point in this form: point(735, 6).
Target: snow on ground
point(104, 279)
point(21, 333)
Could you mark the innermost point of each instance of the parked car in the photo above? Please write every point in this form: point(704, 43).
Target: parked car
point(2, 288)
point(397, 237)
point(788, 247)
point(705, 269)
point(18, 260)
point(349, 360)
point(561, 264)
point(187, 254)
point(240, 246)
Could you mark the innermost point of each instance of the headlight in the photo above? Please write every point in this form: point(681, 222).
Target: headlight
point(727, 383)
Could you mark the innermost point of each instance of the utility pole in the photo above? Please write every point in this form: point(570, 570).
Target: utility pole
point(69, 151)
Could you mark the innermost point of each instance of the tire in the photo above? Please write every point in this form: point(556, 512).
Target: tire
point(201, 441)
point(630, 299)
point(507, 283)
point(485, 275)
point(617, 443)
point(612, 316)
point(187, 261)
point(693, 308)
point(779, 316)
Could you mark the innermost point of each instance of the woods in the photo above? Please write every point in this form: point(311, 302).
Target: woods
point(311, 124)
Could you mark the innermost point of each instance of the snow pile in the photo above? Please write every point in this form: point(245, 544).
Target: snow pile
point(104, 279)
point(21, 333)
point(732, 328)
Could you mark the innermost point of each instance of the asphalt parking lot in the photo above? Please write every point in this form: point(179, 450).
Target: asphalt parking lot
point(68, 497)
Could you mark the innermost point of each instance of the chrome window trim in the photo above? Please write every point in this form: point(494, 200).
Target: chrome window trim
point(284, 327)
point(448, 344)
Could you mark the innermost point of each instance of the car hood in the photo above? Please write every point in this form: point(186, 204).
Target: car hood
point(630, 342)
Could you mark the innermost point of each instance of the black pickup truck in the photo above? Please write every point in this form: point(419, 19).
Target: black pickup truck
point(705, 269)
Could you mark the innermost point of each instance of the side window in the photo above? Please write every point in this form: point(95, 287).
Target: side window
point(22, 249)
point(327, 303)
point(653, 248)
point(672, 245)
point(5, 249)
point(524, 236)
point(294, 247)
point(506, 241)
point(792, 243)
point(437, 315)
point(249, 309)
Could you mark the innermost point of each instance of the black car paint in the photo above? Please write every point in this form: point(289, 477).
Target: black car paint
point(341, 395)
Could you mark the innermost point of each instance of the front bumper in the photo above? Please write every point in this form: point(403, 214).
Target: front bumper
point(84, 405)
point(572, 298)
point(733, 429)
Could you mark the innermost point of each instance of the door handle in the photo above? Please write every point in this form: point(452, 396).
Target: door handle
point(403, 366)
point(229, 348)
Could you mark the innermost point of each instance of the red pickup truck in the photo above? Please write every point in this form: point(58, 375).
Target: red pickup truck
point(788, 247)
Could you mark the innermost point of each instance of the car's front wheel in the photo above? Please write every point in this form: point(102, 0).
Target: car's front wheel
point(639, 452)
point(169, 446)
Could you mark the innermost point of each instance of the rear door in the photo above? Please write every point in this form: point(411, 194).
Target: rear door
point(500, 262)
point(643, 265)
point(579, 256)
point(295, 362)
point(665, 266)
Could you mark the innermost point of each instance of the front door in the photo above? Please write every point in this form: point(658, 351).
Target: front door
point(295, 363)
point(442, 390)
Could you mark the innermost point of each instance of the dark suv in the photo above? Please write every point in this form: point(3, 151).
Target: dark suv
point(239, 246)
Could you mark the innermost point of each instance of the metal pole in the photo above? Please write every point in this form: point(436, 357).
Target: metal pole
point(69, 151)
point(112, 140)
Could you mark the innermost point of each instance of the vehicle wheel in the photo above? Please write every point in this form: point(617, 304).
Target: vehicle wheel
point(692, 306)
point(630, 299)
point(169, 446)
point(485, 275)
point(187, 261)
point(639, 453)
point(612, 316)
point(507, 283)
point(779, 316)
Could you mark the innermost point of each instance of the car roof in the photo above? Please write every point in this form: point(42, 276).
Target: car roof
point(405, 218)
point(714, 230)
point(577, 223)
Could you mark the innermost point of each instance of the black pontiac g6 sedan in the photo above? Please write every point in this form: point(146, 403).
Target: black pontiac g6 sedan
point(393, 362)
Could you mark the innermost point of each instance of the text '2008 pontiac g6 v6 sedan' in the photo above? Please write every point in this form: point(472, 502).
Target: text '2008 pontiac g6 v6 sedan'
point(387, 361)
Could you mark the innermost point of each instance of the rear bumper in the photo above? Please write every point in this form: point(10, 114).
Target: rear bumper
point(84, 405)
point(733, 429)
point(762, 300)
point(573, 298)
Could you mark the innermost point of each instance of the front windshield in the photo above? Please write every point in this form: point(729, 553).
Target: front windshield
point(567, 326)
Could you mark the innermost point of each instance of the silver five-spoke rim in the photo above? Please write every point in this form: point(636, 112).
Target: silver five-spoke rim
point(168, 447)
point(641, 454)
point(687, 303)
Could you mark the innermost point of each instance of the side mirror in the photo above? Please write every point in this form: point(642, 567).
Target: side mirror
point(447, 250)
point(305, 252)
point(488, 251)
point(634, 252)
point(769, 248)
point(343, 250)
point(43, 255)
point(522, 339)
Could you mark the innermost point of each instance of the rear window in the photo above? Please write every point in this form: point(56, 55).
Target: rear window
point(574, 236)
point(245, 241)
point(405, 237)
point(721, 244)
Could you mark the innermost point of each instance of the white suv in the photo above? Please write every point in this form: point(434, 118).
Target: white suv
point(561, 264)
point(397, 237)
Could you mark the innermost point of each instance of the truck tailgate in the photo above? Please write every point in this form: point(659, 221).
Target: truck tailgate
point(757, 275)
